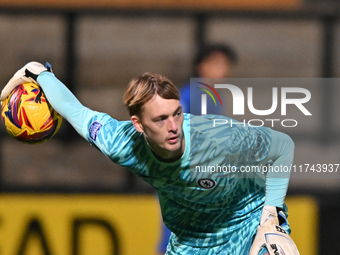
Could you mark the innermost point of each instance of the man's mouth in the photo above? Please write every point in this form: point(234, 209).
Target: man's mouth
point(173, 140)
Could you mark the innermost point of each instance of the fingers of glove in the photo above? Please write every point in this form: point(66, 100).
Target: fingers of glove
point(28, 73)
point(282, 245)
point(255, 249)
point(16, 80)
point(275, 239)
point(258, 243)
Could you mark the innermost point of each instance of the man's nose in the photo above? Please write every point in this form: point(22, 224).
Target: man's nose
point(172, 125)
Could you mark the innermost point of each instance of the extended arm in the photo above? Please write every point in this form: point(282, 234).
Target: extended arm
point(64, 102)
point(58, 95)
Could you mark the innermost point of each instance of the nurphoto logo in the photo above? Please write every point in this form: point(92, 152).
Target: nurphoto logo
point(294, 96)
point(204, 97)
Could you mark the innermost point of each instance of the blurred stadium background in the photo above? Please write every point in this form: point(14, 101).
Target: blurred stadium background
point(64, 197)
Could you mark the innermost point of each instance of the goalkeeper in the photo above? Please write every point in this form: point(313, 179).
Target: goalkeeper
point(207, 213)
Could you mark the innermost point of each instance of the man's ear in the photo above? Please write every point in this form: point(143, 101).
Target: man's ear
point(137, 124)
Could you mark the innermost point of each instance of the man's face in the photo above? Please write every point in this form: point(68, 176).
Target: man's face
point(161, 122)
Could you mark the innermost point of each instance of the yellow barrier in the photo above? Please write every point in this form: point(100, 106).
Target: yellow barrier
point(78, 224)
point(303, 217)
point(108, 224)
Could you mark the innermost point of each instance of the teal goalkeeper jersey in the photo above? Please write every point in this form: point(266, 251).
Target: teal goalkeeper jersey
point(201, 207)
point(190, 210)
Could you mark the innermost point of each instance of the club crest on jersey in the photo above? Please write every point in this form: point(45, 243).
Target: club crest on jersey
point(94, 130)
point(206, 183)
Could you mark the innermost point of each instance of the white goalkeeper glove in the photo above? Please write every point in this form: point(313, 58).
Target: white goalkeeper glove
point(29, 73)
point(272, 236)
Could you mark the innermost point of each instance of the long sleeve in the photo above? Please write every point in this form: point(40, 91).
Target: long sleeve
point(277, 180)
point(64, 102)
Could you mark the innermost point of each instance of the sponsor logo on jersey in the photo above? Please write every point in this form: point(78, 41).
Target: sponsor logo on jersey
point(206, 183)
point(94, 130)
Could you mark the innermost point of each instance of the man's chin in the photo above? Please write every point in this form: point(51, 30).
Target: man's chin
point(173, 147)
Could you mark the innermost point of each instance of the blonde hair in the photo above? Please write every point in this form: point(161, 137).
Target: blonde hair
point(142, 89)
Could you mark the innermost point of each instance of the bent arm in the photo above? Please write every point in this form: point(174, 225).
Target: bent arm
point(282, 154)
point(64, 102)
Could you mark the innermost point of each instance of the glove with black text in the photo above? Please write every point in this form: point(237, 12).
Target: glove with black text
point(271, 235)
